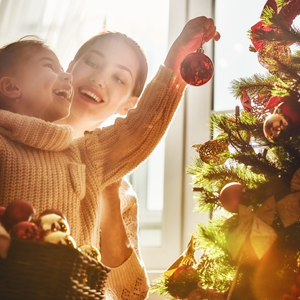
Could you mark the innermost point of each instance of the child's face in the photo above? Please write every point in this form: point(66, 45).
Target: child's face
point(46, 90)
point(103, 80)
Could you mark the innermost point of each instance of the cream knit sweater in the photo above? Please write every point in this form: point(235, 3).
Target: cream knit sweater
point(40, 163)
point(129, 281)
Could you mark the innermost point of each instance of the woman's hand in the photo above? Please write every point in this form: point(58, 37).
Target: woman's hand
point(195, 30)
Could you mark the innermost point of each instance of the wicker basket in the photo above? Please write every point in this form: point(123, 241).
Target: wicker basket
point(44, 271)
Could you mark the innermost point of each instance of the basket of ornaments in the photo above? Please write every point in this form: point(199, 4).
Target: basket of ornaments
point(39, 259)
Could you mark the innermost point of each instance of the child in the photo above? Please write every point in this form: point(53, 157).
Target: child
point(33, 82)
point(51, 170)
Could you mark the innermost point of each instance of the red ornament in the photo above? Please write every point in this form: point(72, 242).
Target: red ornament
point(246, 101)
point(24, 230)
point(197, 68)
point(287, 13)
point(2, 209)
point(290, 108)
point(197, 294)
point(273, 101)
point(231, 195)
point(17, 211)
point(182, 282)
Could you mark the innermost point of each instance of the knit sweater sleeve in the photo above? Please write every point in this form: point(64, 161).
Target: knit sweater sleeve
point(129, 281)
point(118, 149)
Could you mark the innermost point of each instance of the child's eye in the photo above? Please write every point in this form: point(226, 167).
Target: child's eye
point(91, 64)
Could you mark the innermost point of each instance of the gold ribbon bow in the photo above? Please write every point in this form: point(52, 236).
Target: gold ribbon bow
point(186, 258)
point(256, 225)
point(289, 209)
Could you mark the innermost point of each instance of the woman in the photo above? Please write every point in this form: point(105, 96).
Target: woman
point(109, 72)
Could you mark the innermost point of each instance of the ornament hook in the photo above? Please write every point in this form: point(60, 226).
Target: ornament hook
point(200, 49)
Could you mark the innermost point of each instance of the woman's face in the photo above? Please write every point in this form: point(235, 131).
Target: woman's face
point(103, 80)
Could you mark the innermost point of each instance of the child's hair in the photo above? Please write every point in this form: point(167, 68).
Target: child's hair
point(143, 70)
point(12, 55)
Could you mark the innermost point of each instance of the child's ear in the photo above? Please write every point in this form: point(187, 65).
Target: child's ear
point(130, 103)
point(9, 87)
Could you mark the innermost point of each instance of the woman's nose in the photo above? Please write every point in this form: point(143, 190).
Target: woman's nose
point(98, 79)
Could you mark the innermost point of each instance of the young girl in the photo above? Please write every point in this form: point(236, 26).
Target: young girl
point(40, 162)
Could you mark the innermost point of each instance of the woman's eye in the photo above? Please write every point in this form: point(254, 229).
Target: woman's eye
point(91, 64)
point(49, 66)
point(118, 79)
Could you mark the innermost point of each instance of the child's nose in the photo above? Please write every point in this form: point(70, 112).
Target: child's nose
point(67, 77)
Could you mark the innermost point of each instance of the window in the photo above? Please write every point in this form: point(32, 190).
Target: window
point(166, 199)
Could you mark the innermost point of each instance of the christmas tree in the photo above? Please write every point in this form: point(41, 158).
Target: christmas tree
point(248, 178)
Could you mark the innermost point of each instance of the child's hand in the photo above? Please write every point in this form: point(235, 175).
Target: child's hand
point(190, 39)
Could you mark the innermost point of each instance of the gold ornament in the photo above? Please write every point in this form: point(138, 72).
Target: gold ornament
point(211, 150)
point(270, 53)
point(256, 225)
point(295, 183)
point(91, 251)
point(52, 222)
point(58, 237)
point(289, 209)
point(186, 258)
point(278, 128)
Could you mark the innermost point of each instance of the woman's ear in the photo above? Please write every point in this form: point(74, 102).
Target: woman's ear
point(130, 103)
point(9, 88)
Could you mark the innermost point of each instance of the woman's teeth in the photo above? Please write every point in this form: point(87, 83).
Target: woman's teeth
point(91, 95)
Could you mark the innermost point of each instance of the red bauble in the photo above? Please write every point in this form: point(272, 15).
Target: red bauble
point(17, 211)
point(182, 282)
point(196, 69)
point(24, 230)
point(2, 209)
point(197, 294)
point(291, 109)
point(231, 195)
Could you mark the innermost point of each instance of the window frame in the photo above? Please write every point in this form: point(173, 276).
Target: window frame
point(179, 221)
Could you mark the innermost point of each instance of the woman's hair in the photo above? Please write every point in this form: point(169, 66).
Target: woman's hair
point(12, 55)
point(143, 69)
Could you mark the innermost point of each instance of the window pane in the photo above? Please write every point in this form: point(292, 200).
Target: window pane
point(233, 60)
